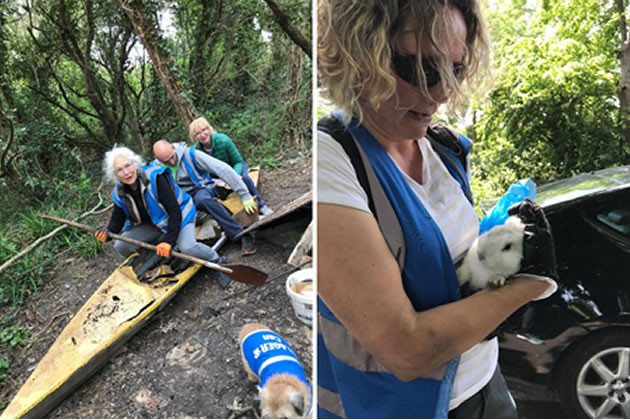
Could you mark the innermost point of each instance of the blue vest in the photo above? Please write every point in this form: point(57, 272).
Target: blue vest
point(268, 354)
point(148, 183)
point(375, 393)
point(199, 178)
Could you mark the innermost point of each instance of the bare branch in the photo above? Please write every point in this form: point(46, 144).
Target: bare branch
point(293, 32)
point(64, 109)
point(144, 28)
point(40, 240)
point(67, 99)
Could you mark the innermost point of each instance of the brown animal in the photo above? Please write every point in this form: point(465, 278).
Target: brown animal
point(284, 393)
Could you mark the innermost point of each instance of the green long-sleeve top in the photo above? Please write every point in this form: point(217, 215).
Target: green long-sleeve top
point(223, 148)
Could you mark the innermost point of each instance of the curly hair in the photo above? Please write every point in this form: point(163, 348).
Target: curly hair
point(356, 39)
point(198, 125)
point(110, 156)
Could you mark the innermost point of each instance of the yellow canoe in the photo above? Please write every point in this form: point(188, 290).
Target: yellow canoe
point(116, 311)
point(113, 314)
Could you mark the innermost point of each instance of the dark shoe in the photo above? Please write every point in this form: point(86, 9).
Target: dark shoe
point(247, 245)
point(223, 280)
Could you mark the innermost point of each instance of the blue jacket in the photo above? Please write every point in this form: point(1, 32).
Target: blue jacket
point(268, 354)
point(351, 382)
point(147, 181)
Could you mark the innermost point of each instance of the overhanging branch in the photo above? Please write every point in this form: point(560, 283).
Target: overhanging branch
point(293, 32)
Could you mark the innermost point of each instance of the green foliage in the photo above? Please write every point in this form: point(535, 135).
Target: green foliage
point(65, 199)
point(72, 85)
point(238, 73)
point(4, 365)
point(24, 276)
point(553, 110)
point(13, 335)
point(269, 162)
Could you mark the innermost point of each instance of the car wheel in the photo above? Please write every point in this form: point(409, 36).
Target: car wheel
point(594, 378)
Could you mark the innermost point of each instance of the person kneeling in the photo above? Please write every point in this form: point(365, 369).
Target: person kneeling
point(151, 207)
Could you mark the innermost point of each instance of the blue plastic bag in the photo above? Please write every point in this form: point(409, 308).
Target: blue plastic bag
point(519, 191)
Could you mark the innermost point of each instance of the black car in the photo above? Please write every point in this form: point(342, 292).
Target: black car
point(578, 340)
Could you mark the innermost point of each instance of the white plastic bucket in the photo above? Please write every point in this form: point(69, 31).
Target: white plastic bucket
point(302, 302)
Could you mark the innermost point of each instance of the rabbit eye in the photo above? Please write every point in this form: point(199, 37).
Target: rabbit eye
point(507, 247)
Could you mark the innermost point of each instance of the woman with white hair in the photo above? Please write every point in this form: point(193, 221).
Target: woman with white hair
point(151, 207)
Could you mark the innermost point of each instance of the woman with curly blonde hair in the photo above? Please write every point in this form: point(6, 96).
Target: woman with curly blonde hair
point(395, 340)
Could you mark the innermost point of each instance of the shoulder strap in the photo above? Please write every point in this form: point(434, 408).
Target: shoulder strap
point(451, 140)
point(335, 128)
point(377, 199)
point(453, 149)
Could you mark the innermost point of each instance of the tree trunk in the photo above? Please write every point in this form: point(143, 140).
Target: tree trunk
point(203, 33)
point(78, 50)
point(82, 56)
point(285, 23)
point(624, 76)
point(216, 24)
point(5, 160)
point(160, 59)
point(294, 118)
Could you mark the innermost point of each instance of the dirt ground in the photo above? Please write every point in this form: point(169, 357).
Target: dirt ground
point(185, 362)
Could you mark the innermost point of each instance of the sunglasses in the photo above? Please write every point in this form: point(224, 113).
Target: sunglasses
point(406, 68)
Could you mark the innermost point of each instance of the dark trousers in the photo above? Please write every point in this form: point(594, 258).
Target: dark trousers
point(205, 199)
point(250, 185)
point(493, 401)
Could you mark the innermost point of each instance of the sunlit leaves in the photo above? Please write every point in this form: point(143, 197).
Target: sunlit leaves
point(553, 109)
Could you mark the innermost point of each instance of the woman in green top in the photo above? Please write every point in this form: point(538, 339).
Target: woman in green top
point(220, 146)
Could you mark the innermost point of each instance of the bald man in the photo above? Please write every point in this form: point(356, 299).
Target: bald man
point(196, 173)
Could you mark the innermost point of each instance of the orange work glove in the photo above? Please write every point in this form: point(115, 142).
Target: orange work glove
point(163, 249)
point(101, 234)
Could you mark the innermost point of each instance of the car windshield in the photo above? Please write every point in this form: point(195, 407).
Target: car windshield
point(581, 185)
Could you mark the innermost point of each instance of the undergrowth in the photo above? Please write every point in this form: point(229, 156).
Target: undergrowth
point(25, 275)
point(11, 336)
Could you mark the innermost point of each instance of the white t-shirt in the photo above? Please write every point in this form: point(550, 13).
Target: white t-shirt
point(443, 198)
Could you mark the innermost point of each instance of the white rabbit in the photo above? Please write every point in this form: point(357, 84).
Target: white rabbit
point(493, 256)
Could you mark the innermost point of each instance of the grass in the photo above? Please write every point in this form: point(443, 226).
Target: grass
point(24, 276)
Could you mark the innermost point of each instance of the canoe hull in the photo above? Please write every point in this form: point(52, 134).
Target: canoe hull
point(118, 309)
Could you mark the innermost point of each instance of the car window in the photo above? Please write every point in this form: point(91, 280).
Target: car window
point(617, 219)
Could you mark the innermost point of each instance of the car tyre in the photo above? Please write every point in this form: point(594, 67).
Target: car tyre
point(593, 380)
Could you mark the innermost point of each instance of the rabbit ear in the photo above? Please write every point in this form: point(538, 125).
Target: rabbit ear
point(515, 223)
point(297, 401)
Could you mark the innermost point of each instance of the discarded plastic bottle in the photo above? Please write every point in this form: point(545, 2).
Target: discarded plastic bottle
point(519, 191)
